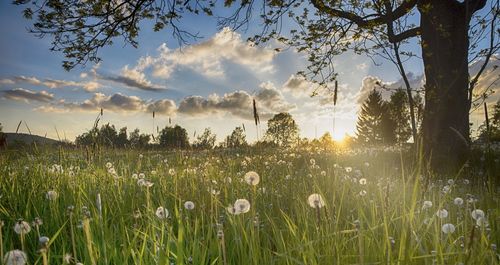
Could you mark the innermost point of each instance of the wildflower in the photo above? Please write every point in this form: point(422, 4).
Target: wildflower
point(67, 258)
point(315, 200)
point(323, 173)
point(51, 195)
point(362, 193)
point(230, 209)
point(348, 169)
point(362, 181)
point(135, 176)
point(252, 178)
point(426, 205)
point(448, 228)
point(142, 175)
point(37, 222)
point(43, 240)
point(482, 222)
point(242, 206)
point(451, 182)
point(189, 205)
point(22, 227)
point(477, 213)
point(109, 165)
point(446, 189)
point(442, 213)
point(161, 213)
point(458, 201)
point(15, 257)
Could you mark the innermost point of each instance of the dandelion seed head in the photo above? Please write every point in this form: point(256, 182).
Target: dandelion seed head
point(15, 257)
point(448, 228)
point(161, 212)
point(241, 206)
point(477, 213)
point(252, 178)
point(43, 240)
point(426, 205)
point(22, 227)
point(458, 201)
point(362, 181)
point(315, 200)
point(482, 222)
point(442, 213)
point(189, 205)
point(51, 195)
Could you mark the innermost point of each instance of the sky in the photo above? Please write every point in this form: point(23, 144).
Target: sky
point(208, 83)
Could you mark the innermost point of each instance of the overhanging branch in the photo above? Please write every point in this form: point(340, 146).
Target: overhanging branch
point(363, 22)
point(413, 32)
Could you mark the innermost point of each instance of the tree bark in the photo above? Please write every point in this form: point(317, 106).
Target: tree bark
point(444, 33)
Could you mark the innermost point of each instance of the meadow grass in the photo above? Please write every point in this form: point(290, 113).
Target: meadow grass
point(101, 212)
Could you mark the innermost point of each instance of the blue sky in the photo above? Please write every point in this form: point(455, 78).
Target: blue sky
point(207, 84)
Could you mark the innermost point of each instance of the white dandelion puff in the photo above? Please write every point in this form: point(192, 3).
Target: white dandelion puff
point(252, 178)
point(482, 222)
point(242, 206)
point(161, 212)
point(448, 228)
point(477, 213)
point(22, 227)
point(15, 257)
point(426, 205)
point(442, 213)
point(51, 195)
point(315, 200)
point(189, 205)
point(458, 201)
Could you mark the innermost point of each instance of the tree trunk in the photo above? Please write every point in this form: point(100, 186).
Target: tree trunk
point(444, 33)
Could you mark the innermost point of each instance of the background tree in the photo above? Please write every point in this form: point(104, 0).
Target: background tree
point(282, 130)
point(206, 140)
point(450, 34)
point(3, 139)
point(174, 137)
point(121, 138)
point(399, 111)
point(236, 139)
point(107, 135)
point(368, 127)
point(138, 140)
point(493, 134)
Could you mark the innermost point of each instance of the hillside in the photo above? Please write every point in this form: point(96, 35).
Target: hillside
point(28, 139)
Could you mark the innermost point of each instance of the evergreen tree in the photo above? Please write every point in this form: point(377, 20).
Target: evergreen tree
point(400, 114)
point(374, 124)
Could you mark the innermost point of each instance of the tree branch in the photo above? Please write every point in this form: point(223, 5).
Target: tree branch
point(363, 22)
point(404, 35)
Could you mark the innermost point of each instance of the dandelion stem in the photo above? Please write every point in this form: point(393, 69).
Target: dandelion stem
point(469, 247)
point(1, 242)
point(72, 230)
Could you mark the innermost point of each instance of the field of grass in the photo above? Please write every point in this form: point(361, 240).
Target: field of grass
point(370, 209)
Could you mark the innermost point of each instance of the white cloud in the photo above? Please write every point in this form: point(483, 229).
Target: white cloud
point(26, 95)
point(207, 57)
point(88, 86)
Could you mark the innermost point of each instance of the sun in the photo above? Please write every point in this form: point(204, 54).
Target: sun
point(339, 135)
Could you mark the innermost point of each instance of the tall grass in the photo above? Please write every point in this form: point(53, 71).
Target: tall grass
point(373, 212)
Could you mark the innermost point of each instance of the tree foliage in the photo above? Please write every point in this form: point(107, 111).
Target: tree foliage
point(236, 139)
point(174, 137)
point(282, 130)
point(206, 140)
